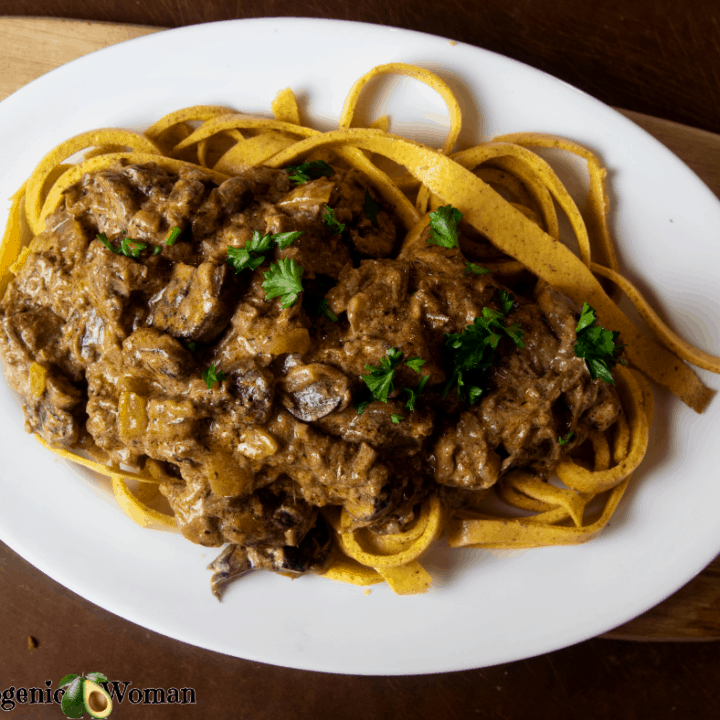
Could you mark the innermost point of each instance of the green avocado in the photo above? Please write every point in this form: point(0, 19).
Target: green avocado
point(97, 700)
point(72, 701)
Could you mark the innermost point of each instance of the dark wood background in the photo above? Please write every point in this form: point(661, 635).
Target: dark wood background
point(657, 57)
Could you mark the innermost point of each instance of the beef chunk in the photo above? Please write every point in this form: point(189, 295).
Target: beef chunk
point(159, 353)
point(110, 279)
point(107, 198)
point(196, 304)
point(186, 197)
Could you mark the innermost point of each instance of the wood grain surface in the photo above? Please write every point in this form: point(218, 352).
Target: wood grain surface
point(658, 57)
point(645, 680)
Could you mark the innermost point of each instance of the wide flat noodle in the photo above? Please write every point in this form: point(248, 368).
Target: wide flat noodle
point(425, 76)
point(253, 152)
point(285, 107)
point(395, 557)
point(680, 347)
point(14, 239)
point(347, 570)
point(143, 476)
point(180, 117)
point(137, 510)
point(597, 200)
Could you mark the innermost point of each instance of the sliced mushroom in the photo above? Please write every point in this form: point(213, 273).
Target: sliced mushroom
point(255, 387)
point(310, 392)
point(312, 554)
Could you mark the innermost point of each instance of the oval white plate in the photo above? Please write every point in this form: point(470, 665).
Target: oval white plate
point(488, 608)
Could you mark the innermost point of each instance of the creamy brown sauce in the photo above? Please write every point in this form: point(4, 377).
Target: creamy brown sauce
point(252, 459)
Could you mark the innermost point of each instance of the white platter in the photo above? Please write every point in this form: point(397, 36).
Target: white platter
point(487, 608)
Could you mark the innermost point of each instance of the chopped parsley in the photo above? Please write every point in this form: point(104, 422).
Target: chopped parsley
point(300, 174)
point(505, 300)
point(565, 440)
point(444, 227)
point(132, 248)
point(415, 363)
point(250, 257)
point(471, 352)
point(380, 379)
point(285, 240)
point(325, 311)
point(475, 269)
point(211, 376)
point(396, 418)
point(474, 392)
point(241, 259)
point(329, 219)
point(597, 346)
point(128, 247)
point(410, 404)
point(284, 280)
point(361, 406)
point(102, 237)
point(370, 208)
point(173, 236)
point(157, 250)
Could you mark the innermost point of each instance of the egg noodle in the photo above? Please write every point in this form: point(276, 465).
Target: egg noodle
point(525, 228)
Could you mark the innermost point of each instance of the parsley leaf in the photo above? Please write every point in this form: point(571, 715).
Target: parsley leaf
point(380, 379)
point(565, 440)
point(211, 376)
point(240, 259)
point(410, 404)
point(475, 269)
point(325, 311)
point(308, 171)
point(415, 363)
point(505, 300)
point(128, 247)
point(132, 248)
point(370, 207)
point(258, 243)
point(587, 318)
point(102, 237)
point(444, 227)
point(515, 333)
point(262, 243)
point(284, 280)
point(474, 393)
point(597, 346)
point(173, 236)
point(157, 250)
point(250, 257)
point(285, 240)
point(331, 222)
point(396, 418)
point(473, 350)
point(361, 406)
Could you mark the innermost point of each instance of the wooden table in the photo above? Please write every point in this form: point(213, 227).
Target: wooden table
point(596, 679)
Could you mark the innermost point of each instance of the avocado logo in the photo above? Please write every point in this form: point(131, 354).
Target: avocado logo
point(84, 694)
